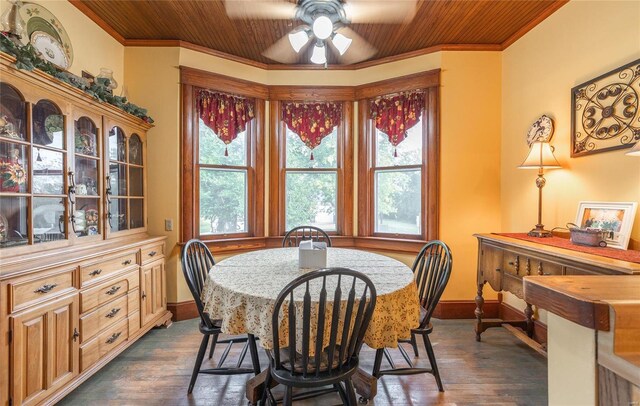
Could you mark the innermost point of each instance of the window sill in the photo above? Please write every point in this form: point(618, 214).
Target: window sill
point(396, 245)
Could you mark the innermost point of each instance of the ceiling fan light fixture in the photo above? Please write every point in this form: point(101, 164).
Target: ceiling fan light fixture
point(341, 43)
point(319, 54)
point(322, 27)
point(298, 39)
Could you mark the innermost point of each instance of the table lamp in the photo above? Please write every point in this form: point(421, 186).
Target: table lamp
point(635, 151)
point(540, 157)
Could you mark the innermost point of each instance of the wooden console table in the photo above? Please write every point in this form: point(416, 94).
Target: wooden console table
point(503, 261)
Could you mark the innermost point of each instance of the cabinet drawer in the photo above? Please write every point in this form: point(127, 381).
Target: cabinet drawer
point(99, 270)
point(93, 297)
point(512, 284)
point(151, 253)
point(103, 317)
point(89, 353)
point(27, 291)
point(545, 268)
point(513, 264)
point(113, 336)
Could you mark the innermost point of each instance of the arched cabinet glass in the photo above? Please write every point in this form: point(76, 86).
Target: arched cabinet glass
point(48, 163)
point(125, 181)
point(85, 214)
point(14, 169)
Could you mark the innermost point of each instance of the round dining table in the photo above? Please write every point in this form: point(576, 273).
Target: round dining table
point(241, 292)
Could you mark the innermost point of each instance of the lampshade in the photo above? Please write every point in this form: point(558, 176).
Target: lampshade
point(540, 156)
point(341, 43)
point(298, 39)
point(635, 151)
point(319, 55)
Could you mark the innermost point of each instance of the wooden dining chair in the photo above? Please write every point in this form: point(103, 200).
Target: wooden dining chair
point(432, 269)
point(197, 260)
point(301, 233)
point(332, 364)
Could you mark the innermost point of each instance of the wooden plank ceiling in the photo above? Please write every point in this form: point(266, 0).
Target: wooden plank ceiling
point(494, 23)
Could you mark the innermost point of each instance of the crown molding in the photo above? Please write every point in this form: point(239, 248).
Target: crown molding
point(553, 7)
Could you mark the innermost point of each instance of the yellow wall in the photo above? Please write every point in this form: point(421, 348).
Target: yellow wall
point(582, 40)
point(92, 47)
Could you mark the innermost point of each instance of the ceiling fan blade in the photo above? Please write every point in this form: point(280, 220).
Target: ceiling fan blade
point(358, 51)
point(281, 51)
point(380, 11)
point(262, 9)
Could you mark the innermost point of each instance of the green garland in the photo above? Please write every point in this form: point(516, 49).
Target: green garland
point(27, 58)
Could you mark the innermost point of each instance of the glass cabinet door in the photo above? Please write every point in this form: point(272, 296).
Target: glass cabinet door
point(86, 209)
point(48, 163)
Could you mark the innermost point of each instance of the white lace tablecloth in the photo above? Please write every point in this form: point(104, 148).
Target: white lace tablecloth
point(241, 291)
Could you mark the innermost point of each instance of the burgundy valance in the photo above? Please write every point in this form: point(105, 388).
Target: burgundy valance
point(312, 121)
point(394, 115)
point(225, 114)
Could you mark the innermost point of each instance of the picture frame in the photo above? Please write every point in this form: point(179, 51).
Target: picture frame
point(605, 112)
point(612, 216)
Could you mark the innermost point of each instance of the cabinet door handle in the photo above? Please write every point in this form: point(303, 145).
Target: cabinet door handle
point(45, 288)
point(144, 295)
point(127, 262)
point(95, 272)
point(152, 253)
point(112, 313)
point(113, 290)
point(75, 334)
point(113, 338)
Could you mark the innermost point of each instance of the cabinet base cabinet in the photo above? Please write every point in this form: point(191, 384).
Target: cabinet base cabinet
point(53, 340)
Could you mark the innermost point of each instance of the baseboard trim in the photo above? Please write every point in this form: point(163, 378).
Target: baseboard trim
point(183, 310)
point(465, 309)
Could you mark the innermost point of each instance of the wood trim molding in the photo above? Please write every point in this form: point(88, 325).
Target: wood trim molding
point(553, 7)
point(228, 84)
point(316, 93)
point(464, 309)
point(420, 80)
point(183, 310)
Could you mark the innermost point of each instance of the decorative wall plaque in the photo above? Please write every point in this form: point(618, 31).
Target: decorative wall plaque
point(605, 114)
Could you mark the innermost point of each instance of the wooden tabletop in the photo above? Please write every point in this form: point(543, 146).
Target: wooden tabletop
point(626, 267)
point(588, 301)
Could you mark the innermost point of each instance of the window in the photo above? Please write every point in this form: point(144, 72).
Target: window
point(311, 185)
point(222, 158)
point(398, 168)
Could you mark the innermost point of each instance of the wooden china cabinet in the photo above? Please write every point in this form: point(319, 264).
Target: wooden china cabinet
point(80, 278)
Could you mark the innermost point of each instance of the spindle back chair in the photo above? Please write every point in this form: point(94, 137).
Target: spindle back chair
point(301, 233)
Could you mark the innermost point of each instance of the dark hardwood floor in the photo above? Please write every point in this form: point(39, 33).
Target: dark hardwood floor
point(500, 370)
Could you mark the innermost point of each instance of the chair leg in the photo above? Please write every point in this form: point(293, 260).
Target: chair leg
point(432, 360)
point(265, 392)
point(351, 393)
point(288, 396)
point(377, 362)
point(214, 341)
point(343, 394)
point(255, 360)
point(199, 358)
point(414, 344)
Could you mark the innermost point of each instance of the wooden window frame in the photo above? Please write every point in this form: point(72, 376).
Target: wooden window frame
point(429, 83)
point(277, 154)
point(192, 80)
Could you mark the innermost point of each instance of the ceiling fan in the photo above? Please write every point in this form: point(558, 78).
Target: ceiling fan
point(324, 25)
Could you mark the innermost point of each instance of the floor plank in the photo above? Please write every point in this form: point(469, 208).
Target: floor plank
point(500, 370)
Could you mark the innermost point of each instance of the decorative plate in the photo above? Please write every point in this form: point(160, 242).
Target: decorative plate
point(541, 130)
point(47, 35)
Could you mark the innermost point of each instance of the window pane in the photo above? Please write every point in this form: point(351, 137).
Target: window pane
point(409, 150)
point(398, 204)
point(86, 217)
point(118, 214)
point(14, 169)
point(223, 201)
point(212, 148)
point(48, 219)
point(13, 221)
point(136, 213)
point(311, 199)
point(48, 124)
point(325, 155)
point(48, 173)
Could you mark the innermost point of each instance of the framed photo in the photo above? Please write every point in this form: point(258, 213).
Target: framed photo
point(611, 216)
point(605, 112)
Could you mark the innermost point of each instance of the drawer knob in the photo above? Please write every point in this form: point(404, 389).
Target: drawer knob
point(112, 313)
point(113, 290)
point(512, 263)
point(95, 272)
point(113, 338)
point(127, 262)
point(45, 288)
